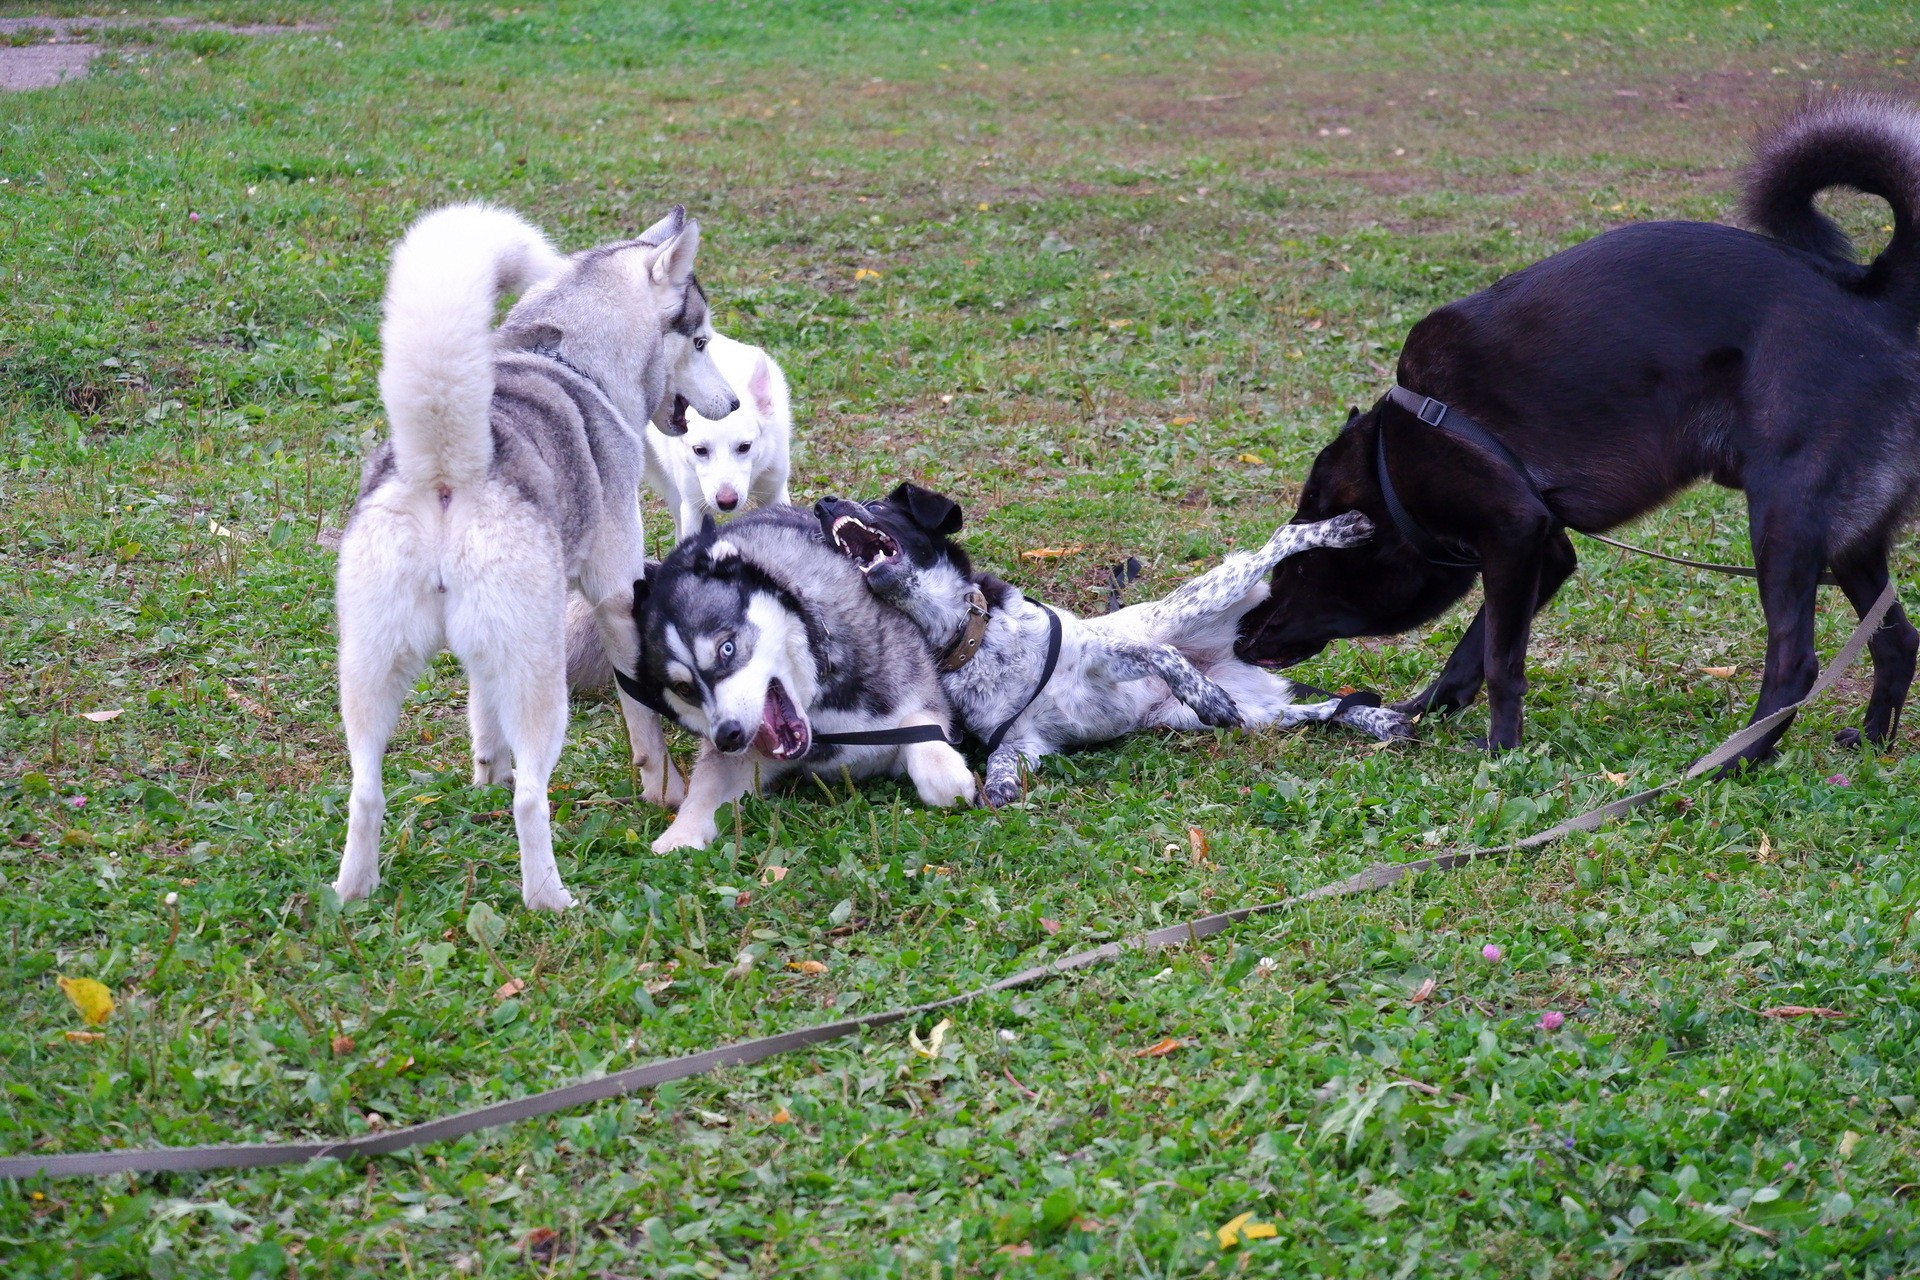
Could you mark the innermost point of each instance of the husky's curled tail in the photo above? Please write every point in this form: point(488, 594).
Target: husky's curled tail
point(1867, 143)
point(437, 374)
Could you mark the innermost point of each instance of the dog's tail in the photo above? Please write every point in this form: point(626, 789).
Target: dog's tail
point(588, 666)
point(1871, 144)
point(436, 375)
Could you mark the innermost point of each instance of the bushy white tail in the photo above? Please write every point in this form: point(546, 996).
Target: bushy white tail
point(436, 376)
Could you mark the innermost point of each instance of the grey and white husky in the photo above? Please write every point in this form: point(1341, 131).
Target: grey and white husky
point(512, 475)
point(1165, 663)
point(764, 641)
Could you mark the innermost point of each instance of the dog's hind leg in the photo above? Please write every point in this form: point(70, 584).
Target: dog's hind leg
point(1237, 583)
point(385, 640)
point(492, 757)
point(1863, 576)
point(1128, 660)
point(1788, 550)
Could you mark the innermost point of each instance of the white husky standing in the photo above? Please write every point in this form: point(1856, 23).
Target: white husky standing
point(719, 465)
point(512, 474)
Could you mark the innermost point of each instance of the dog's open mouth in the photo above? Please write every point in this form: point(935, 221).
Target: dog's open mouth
point(784, 733)
point(677, 422)
point(863, 544)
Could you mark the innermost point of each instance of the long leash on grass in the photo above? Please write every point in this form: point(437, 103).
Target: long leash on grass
point(620, 1083)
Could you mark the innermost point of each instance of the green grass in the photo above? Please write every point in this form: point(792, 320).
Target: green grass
point(1122, 249)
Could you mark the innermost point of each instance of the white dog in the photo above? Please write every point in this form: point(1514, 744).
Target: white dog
point(721, 464)
point(513, 474)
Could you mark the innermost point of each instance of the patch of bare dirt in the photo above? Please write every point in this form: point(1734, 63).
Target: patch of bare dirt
point(66, 51)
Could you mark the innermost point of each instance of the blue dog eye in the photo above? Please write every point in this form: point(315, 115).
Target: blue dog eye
point(726, 649)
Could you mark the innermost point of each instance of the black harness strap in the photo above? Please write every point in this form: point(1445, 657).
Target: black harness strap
point(1451, 555)
point(1046, 674)
point(905, 736)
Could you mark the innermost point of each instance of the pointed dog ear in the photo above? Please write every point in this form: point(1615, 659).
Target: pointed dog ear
point(1353, 411)
point(708, 527)
point(934, 512)
point(672, 263)
point(665, 229)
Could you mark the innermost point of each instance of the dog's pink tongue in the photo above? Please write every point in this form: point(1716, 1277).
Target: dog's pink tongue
point(781, 734)
point(768, 738)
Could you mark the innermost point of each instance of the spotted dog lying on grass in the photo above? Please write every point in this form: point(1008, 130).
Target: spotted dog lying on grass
point(1161, 664)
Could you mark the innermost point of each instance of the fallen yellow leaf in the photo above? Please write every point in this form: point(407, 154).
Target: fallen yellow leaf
point(93, 1000)
point(930, 1048)
point(1229, 1233)
point(1253, 458)
point(1259, 1231)
point(511, 987)
point(1162, 1049)
point(1197, 842)
point(807, 966)
point(1848, 1141)
point(1800, 1011)
point(1183, 422)
point(1724, 673)
point(866, 273)
point(85, 1037)
point(1052, 553)
point(983, 206)
point(1617, 779)
point(1422, 993)
point(101, 717)
point(782, 1116)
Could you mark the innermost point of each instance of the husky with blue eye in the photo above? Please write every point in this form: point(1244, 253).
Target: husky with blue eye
point(765, 642)
point(1031, 681)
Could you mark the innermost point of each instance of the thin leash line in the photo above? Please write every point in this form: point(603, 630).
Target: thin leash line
point(1734, 570)
point(620, 1083)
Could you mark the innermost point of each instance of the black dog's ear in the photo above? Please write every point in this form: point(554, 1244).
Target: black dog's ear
point(642, 592)
point(1353, 411)
point(934, 512)
point(707, 525)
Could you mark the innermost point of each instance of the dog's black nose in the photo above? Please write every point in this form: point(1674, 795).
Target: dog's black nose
point(733, 404)
point(731, 736)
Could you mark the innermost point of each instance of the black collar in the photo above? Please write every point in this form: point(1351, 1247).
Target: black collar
point(1446, 553)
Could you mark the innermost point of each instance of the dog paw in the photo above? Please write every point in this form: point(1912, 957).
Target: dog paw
point(352, 889)
point(997, 794)
point(1349, 530)
point(1849, 739)
point(945, 783)
point(1217, 708)
point(683, 834)
point(1383, 723)
point(492, 773)
point(553, 897)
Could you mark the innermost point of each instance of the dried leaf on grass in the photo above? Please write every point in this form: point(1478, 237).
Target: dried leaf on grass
point(91, 998)
point(101, 717)
point(1052, 553)
point(1800, 1011)
point(1162, 1049)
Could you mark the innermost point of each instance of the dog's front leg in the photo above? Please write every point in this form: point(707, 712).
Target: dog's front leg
point(1512, 578)
point(718, 779)
point(1003, 770)
point(1458, 683)
point(939, 773)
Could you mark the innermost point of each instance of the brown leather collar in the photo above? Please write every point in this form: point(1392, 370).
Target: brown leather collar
point(961, 652)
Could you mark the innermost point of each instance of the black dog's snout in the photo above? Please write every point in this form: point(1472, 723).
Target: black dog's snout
point(731, 735)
